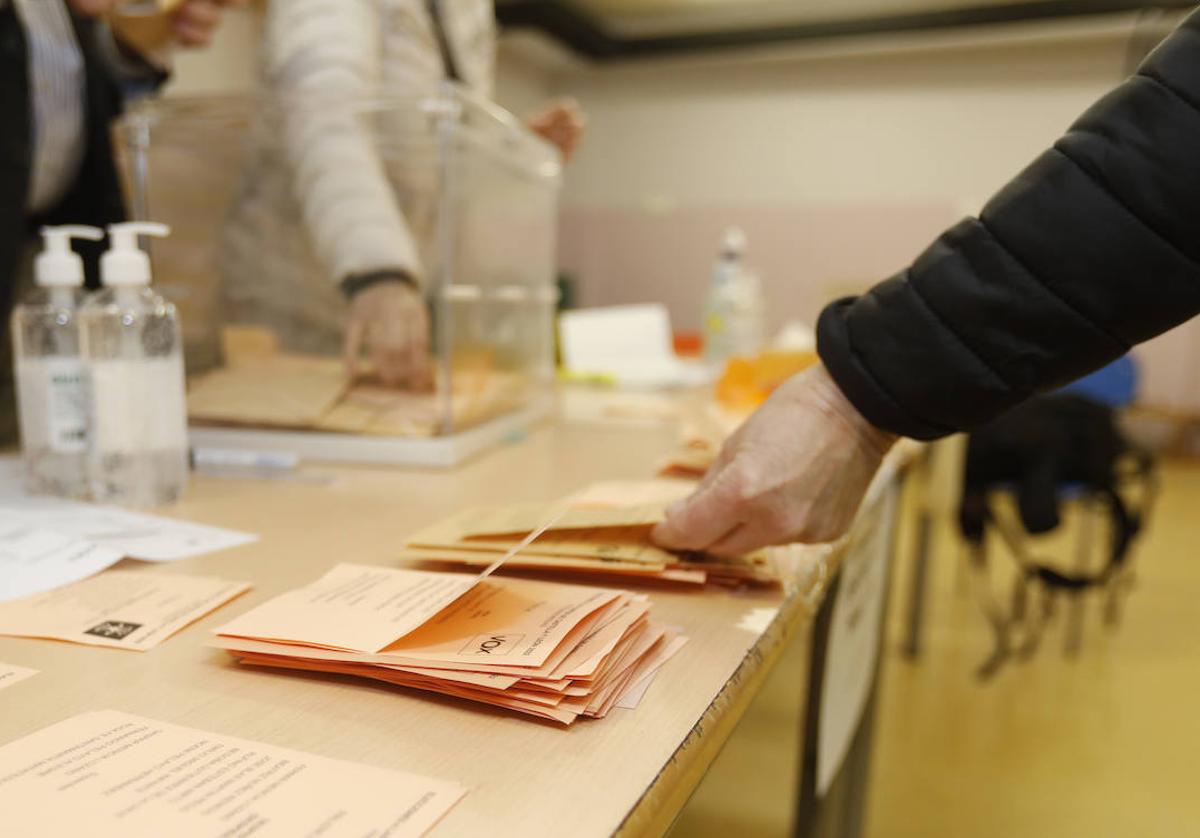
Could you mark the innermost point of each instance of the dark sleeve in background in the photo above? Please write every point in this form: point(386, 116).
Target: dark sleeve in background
point(96, 197)
point(1093, 248)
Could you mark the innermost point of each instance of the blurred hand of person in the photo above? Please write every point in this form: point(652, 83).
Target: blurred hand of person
point(189, 22)
point(562, 125)
point(195, 21)
point(390, 320)
point(796, 470)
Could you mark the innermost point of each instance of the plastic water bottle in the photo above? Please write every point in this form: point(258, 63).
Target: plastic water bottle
point(735, 316)
point(137, 448)
point(52, 386)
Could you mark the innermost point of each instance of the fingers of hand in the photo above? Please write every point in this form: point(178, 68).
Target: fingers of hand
point(711, 513)
point(196, 20)
point(769, 521)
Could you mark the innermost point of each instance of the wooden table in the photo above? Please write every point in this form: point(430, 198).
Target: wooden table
point(629, 773)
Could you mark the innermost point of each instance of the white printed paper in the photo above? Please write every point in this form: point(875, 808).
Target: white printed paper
point(34, 560)
point(107, 774)
point(135, 535)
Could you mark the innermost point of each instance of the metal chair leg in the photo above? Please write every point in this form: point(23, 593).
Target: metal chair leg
point(1073, 642)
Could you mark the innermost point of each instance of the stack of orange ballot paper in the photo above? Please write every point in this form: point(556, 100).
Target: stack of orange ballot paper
point(549, 650)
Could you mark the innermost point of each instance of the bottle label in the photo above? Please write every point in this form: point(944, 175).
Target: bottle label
point(138, 405)
point(53, 396)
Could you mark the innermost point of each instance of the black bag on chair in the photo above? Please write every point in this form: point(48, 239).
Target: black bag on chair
point(1037, 450)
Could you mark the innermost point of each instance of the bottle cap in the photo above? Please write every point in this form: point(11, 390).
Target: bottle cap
point(125, 264)
point(58, 266)
point(733, 246)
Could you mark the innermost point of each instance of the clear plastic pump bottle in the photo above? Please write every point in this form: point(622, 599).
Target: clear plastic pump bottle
point(52, 386)
point(735, 316)
point(137, 448)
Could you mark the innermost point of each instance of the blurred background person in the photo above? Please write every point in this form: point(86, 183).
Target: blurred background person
point(367, 214)
point(64, 76)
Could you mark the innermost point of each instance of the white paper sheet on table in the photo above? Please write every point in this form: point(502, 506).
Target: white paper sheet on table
point(135, 535)
point(34, 560)
point(46, 542)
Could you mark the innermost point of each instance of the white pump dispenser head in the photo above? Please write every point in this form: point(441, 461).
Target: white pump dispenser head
point(58, 266)
point(733, 246)
point(125, 264)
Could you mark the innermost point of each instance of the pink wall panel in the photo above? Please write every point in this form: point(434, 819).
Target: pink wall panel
point(806, 256)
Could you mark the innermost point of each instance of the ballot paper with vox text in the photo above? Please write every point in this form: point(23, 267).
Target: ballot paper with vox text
point(107, 774)
point(123, 609)
point(554, 651)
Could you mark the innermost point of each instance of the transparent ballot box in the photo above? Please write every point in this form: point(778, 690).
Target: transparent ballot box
point(273, 203)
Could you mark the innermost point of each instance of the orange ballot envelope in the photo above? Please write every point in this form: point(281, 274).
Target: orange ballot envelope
point(113, 775)
point(119, 608)
point(602, 529)
point(546, 649)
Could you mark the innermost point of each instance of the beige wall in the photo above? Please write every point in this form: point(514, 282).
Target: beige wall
point(841, 168)
point(941, 127)
point(228, 65)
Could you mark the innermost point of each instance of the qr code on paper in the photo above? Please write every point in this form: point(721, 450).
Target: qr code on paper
point(114, 629)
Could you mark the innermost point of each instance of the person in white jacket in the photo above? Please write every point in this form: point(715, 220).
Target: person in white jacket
point(339, 51)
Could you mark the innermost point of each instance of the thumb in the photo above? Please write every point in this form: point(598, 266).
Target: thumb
point(702, 519)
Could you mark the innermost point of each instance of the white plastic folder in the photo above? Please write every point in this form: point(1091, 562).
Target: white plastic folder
point(630, 344)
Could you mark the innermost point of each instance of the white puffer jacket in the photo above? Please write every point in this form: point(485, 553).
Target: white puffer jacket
point(324, 192)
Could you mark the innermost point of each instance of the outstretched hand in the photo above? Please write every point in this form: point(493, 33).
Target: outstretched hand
point(796, 470)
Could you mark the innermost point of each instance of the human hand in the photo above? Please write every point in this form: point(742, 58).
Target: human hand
point(562, 125)
point(391, 319)
point(194, 21)
point(151, 24)
point(795, 471)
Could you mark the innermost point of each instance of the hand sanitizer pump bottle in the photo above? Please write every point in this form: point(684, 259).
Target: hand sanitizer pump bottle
point(52, 387)
point(735, 314)
point(137, 447)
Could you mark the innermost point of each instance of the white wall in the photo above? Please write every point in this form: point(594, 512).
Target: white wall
point(841, 168)
point(228, 65)
point(917, 128)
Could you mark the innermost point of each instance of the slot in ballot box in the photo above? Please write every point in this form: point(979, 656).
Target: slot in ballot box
point(275, 202)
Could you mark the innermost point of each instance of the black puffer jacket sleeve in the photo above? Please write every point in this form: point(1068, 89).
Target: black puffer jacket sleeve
point(1093, 248)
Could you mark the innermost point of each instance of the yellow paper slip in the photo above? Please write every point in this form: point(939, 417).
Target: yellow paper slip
point(525, 518)
point(556, 564)
point(283, 392)
point(421, 615)
point(623, 493)
point(119, 608)
point(628, 543)
point(113, 775)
